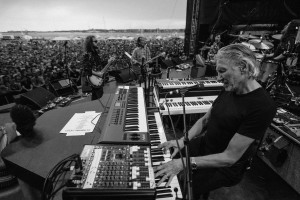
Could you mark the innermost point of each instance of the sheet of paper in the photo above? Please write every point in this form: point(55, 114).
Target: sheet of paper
point(81, 123)
point(75, 133)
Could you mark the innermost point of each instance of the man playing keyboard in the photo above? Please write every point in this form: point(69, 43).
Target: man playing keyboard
point(222, 141)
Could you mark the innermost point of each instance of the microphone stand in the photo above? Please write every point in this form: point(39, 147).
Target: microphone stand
point(168, 72)
point(186, 142)
point(66, 67)
point(144, 76)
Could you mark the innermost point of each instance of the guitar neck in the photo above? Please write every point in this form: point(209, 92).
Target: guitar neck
point(153, 58)
point(106, 67)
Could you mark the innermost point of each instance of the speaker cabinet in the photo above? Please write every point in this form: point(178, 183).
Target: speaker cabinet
point(37, 98)
point(63, 87)
point(198, 71)
point(177, 60)
point(167, 63)
point(125, 75)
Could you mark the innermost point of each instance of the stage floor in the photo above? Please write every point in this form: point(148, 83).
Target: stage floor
point(259, 183)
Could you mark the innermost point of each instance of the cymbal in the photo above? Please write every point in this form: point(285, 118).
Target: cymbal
point(245, 36)
point(259, 55)
point(250, 46)
point(204, 48)
point(261, 44)
point(232, 35)
point(277, 36)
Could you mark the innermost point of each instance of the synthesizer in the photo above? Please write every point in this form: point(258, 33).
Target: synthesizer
point(158, 156)
point(207, 87)
point(113, 172)
point(126, 122)
point(193, 105)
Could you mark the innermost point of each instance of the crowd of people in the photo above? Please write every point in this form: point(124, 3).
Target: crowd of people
point(25, 65)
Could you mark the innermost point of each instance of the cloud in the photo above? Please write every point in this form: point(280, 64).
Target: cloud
point(51, 15)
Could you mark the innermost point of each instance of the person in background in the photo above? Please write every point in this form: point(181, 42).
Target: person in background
point(140, 55)
point(15, 86)
point(21, 128)
point(223, 140)
point(74, 74)
point(284, 50)
point(214, 48)
point(37, 81)
point(92, 65)
point(26, 84)
point(287, 41)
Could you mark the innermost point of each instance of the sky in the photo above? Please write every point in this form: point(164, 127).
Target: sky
point(54, 15)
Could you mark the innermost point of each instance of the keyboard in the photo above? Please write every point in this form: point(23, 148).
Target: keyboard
point(170, 84)
point(126, 122)
point(158, 156)
point(207, 87)
point(193, 105)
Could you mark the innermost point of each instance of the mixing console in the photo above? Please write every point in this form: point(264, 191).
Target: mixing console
point(110, 171)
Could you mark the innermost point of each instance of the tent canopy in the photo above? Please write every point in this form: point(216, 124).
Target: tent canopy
point(59, 38)
point(26, 37)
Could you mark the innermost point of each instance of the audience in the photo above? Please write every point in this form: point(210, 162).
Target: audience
point(35, 63)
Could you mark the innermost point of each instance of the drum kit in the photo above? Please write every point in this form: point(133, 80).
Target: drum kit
point(260, 47)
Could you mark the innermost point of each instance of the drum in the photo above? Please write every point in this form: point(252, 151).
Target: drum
point(267, 68)
point(259, 56)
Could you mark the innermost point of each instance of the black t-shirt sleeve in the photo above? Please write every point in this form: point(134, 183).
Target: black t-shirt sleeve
point(256, 122)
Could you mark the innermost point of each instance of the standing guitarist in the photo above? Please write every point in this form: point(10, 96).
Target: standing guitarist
point(92, 65)
point(140, 55)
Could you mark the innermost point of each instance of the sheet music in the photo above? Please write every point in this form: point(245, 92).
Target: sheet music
point(81, 123)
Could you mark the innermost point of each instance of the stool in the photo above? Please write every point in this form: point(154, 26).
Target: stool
point(151, 80)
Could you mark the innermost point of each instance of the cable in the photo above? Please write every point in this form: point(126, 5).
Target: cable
point(54, 193)
point(176, 139)
point(55, 174)
point(103, 106)
point(95, 118)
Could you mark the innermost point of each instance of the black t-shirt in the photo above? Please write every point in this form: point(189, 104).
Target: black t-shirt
point(286, 45)
point(247, 114)
point(91, 61)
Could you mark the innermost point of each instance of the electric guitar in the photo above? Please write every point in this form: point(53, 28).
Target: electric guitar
point(137, 66)
point(96, 80)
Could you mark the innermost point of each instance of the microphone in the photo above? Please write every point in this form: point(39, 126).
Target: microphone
point(186, 89)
